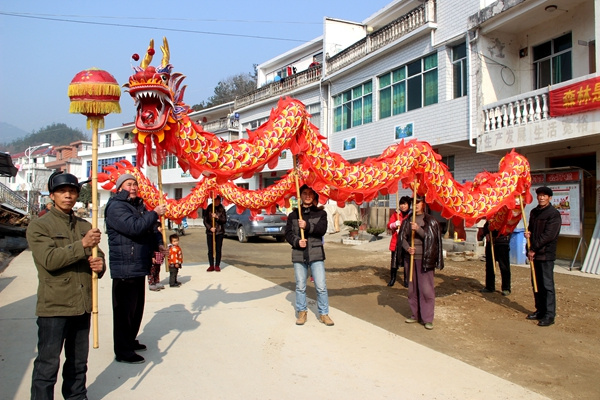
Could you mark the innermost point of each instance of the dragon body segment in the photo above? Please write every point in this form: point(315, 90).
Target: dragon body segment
point(163, 127)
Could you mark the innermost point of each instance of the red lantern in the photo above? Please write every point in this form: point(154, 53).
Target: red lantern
point(94, 93)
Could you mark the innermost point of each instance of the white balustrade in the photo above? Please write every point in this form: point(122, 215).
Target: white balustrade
point(516, 111)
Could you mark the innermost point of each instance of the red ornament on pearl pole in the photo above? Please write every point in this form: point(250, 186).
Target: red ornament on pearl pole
point(94, 93)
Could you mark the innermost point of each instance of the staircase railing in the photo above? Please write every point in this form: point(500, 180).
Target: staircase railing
point(11, 198)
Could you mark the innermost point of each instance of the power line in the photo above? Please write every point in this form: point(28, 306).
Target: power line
point(168, 19)
point(152, 28)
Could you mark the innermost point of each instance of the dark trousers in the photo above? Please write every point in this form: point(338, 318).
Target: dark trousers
point(421, 292)
point(128, 297)
point(212, 260)
point(154, 277)
point(545, 298)
point(173, 274)
point(502, 255)
point(394, 266)
point(53, 333)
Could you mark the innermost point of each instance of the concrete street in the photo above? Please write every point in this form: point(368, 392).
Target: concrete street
point(231, 335)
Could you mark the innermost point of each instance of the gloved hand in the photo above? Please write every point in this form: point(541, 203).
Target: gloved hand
point(394, 225)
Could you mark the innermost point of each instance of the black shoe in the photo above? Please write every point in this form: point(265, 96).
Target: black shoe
point(139, 347)
point(534, 315)
point(546, 321)
point(486, 290)
point(393, 273)
point(133, 359)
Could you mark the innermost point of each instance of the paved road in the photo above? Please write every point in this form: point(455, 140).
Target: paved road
point(230, 335)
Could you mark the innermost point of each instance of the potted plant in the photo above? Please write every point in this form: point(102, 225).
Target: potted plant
point(354, 225)
point(375, 231)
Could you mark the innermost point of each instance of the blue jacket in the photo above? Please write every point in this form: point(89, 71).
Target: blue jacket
point(132, 236)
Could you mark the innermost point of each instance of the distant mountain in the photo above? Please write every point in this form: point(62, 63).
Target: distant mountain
point(9, 133)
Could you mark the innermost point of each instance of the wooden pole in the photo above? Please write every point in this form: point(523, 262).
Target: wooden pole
point(213, 225)
point(412, 232)
point(161, 201)
point(528, 243)
point(493, 254)
point(299, 199)
point(96, 341)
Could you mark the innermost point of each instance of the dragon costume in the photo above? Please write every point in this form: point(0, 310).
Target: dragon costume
point(163, 126)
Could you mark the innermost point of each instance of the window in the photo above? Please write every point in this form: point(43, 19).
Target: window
point(178, 193)
point(353, 107)
point(552, 61)
point(459, 70)
point(107, 140)
point(258, 122)
point(102, 164)
point(409, 87)
point(315, 114)
point(170, 162)
point(449, 161)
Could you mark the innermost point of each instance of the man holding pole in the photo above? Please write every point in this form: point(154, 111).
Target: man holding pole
point(543, 230)
point(132, 239)
point(304, 230)
point(214, 219)
point(61, 245)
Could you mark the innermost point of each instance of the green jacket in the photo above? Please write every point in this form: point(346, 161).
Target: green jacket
point(65, 277)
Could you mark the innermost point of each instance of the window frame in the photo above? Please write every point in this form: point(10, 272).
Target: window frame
point(353, 107)
point(406, 87)
point(549, 61)
point(459, 71)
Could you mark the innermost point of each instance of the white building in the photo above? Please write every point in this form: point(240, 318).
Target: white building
point(470, 77)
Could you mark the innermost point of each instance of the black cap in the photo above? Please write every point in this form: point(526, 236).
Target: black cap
point(60, 178)
point(544, 190)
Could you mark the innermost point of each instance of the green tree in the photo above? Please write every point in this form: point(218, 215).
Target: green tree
point(85, 194)
point(56, 134)
point(230, 88)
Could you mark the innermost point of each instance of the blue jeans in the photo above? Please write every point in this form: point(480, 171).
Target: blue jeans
point(317, 269)
point(53, 332)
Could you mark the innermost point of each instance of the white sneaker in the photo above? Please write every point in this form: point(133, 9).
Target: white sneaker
point(154, 288)
point(160, 286)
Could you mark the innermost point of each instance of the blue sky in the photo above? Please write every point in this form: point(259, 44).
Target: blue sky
point(42, 51)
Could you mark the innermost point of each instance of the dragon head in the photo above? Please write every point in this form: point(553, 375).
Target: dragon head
point(156, 94)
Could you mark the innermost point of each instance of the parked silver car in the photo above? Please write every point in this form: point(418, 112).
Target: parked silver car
point(245, 226)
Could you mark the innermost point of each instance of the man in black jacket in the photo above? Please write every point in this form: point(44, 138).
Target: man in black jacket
point(544, 227)
point(132, 240)
point(304, 231)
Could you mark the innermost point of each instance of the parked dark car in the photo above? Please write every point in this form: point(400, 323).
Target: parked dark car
point(245, 225)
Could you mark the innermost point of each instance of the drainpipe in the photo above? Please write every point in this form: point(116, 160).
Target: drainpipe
point(470, 90)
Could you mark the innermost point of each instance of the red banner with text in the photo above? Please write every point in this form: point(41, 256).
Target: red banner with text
point(576, 98)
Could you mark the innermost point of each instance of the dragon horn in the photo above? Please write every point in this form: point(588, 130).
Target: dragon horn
point(148, 57)
point(166, 53)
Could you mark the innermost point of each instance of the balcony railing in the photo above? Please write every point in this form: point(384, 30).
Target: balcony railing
point(400, 27)
point(220, 125)
point(278, 88)
point(519, 110)
point(11, 198)
point(394, 30)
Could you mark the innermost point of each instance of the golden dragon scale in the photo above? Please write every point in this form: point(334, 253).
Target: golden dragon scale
point(162, 127)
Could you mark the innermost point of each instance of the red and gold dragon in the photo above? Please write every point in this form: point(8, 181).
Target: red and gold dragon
point(163, 126)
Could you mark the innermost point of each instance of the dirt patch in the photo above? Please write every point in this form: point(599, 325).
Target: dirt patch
point(487, 331)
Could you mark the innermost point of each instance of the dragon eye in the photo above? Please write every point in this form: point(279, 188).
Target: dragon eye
point(164, 77)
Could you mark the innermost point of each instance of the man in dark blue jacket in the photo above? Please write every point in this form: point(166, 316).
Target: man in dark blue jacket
point(132, 240)
point(544, 227)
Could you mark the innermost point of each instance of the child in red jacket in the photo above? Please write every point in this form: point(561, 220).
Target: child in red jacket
point(175, 260)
